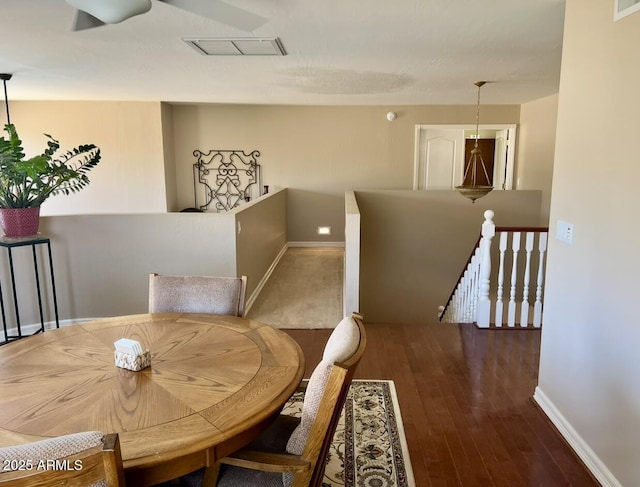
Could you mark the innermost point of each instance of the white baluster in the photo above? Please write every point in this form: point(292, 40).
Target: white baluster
point(451, 309)
point(473, 288)
point(454, 305)
point(483, 316)
point(469, 292)
point(499, 302)
point(515, 247)
point(524, 311)
point(463, 295)
point(470, 283)
point(537, 307)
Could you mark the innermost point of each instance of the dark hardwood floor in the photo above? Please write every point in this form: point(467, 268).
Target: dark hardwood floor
point(465, 397)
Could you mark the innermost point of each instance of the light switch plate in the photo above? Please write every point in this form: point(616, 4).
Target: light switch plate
point(564, 232)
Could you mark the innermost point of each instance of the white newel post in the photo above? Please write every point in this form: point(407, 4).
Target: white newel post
point(483, 312)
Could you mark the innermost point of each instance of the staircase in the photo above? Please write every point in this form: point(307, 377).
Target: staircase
point(481, 295)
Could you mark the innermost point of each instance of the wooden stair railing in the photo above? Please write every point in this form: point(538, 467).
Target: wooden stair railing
point(476, 298)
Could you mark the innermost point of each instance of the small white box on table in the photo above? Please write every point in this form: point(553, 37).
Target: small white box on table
point(130, 355)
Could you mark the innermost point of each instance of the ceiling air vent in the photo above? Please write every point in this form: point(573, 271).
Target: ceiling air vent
point(246, 46)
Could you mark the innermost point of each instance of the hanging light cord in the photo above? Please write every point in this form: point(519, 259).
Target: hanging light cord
point(479, 84)
point(475, 153)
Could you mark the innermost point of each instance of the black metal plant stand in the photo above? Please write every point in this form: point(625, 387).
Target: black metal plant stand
point(10, 244)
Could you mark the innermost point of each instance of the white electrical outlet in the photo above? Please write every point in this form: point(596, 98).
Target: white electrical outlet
point(564, 232)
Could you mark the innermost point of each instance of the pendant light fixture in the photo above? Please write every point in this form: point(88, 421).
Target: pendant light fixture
point(6, 77)
point(473, 191)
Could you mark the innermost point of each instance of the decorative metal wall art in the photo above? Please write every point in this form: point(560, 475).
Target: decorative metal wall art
point(224, 179)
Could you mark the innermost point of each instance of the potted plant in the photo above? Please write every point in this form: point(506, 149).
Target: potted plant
point(25, 183)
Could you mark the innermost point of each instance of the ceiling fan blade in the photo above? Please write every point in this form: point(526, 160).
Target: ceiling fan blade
point(221, 12)
point(83, 21)
point(112, 11)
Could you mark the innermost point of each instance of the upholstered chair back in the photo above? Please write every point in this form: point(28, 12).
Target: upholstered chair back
point(197, 294)
point(93, 459)
point(325, 396)
point(292, 453)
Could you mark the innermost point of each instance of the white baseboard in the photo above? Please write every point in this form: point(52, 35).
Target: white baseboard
point(30, 329)
point(582, 449)
point(263, 281)
point(316, 244)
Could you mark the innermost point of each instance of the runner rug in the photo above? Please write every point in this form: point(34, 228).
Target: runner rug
point(369, 448)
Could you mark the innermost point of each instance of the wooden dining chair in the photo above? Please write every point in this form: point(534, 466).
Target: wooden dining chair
point(292, 452)
point(77, 460)
point(197, 294)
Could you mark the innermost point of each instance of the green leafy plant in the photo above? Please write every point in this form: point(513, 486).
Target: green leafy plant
point(27, 183)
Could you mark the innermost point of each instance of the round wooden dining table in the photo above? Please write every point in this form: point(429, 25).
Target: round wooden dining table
point(214, 383)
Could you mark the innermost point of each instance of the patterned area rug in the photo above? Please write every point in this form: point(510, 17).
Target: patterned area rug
point(369, 447)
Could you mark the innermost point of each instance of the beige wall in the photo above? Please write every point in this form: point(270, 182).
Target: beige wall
point(589, 364)
point(318, 152)
point(102, 262)
point(414, 245)
point(537, 136)
point(261, 229)
point(169, 157)
point(130, 176)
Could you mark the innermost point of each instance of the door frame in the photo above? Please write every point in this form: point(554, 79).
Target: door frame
point(503, 171)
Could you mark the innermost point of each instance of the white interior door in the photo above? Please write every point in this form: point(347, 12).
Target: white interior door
point(500, 158)
point(504, 158)
point(440, 158)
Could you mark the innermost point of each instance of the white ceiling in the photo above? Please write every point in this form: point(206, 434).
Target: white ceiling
point(340, 52)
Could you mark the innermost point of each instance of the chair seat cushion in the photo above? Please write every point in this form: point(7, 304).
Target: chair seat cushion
point(231, 476)
point(272, 440)
point(244, 477)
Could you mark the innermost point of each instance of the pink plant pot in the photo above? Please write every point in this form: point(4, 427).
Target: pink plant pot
point(20, 222)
